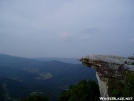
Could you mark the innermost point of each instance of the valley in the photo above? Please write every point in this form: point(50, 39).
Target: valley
point(19, 77)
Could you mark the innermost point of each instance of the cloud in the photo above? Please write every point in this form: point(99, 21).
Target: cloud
point(89, 30)
point(65, 35)
point(75, 37)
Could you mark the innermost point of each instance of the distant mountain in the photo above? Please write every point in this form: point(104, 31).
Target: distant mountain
point(66, 60)
point(21, 76)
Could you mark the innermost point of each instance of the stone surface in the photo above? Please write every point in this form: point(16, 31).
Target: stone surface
point(131, 57)
point(107, 67)
point(102, 86)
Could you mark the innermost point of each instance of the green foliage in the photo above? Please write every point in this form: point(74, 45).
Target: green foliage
point(36, 97)
point(115, 87)
point(83, 91)
point(129, 85)
point(1, 91)
point(118, 88)
point(132, 63)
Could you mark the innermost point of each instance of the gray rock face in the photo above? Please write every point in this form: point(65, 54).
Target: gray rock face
point(131, 57)
point(102, 86)
point(108, 67)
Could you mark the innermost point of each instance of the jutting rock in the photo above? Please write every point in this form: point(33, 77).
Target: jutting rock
point(109, 68)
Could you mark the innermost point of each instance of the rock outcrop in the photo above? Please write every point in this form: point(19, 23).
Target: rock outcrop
point(108, 67)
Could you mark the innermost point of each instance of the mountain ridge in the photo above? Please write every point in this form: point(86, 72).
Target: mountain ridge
point(49, 77)
point(65, 60)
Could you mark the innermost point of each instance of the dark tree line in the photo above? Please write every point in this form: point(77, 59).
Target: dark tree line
point(89, 91)
point(36, 97)
point(83, 91)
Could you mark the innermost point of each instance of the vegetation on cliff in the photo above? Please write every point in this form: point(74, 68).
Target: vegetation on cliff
point(83, 91)
point(124, 87)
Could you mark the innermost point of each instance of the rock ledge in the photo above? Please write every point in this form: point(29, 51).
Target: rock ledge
point(108, 67)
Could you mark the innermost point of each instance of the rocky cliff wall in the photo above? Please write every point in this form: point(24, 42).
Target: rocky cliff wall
point(108, 68)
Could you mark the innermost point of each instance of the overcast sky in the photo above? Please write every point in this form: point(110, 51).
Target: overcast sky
point(66, 28)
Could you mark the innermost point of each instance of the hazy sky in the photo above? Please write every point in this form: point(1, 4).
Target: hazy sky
point(66, 28)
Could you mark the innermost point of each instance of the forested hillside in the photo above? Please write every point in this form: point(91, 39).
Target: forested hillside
point(20, 77)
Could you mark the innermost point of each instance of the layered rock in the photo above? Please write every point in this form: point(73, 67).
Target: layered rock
point(108, 67)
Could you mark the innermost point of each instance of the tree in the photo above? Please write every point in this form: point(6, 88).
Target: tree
point(129, 85)
point(36, 97)
point(83, 91)
point(132, 63)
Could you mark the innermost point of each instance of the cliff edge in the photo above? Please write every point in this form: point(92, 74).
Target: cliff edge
point(109, 69)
